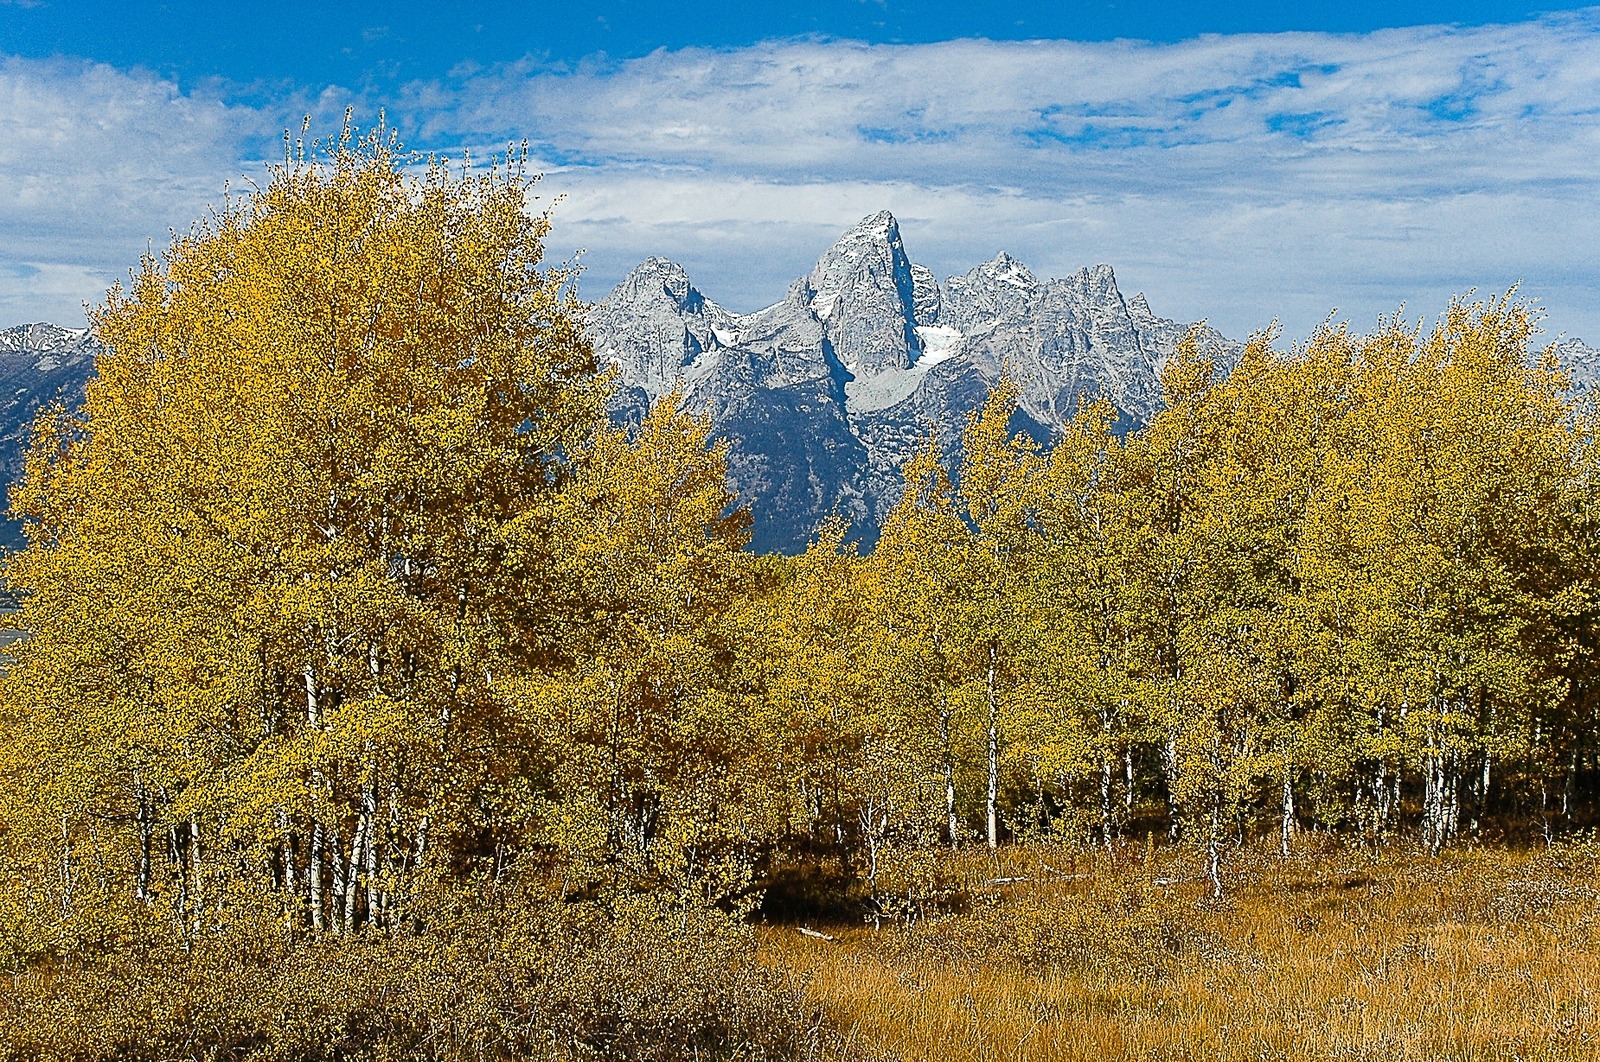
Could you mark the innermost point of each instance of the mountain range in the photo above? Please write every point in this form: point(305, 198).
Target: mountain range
point(826, 393)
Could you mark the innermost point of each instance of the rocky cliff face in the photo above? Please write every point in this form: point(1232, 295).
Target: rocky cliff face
point(39, 364)
point(829, 391)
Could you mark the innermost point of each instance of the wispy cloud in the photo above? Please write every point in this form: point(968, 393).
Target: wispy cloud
point(97, 164)
point(977, 111)
point(1235, 177)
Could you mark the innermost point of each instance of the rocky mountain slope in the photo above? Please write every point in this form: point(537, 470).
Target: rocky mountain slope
point(39, 363)
point(829, 391)
point(1582, 363)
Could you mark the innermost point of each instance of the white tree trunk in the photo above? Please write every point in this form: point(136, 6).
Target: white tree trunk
point(1169, 762)
point(994, 757)
point(1288, 810)
point(1105, 779)
point(146, 829)
point(314, 878)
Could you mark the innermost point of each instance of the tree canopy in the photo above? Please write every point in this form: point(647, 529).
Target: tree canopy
point(341, 585)
point(284, 560)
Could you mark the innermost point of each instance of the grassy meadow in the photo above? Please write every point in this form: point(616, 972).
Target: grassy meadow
point(1478, 954)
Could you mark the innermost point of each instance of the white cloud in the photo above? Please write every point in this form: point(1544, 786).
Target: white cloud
point(1236, 178)
point(98, 165)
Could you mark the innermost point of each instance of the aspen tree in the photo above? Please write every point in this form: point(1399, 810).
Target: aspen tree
point(659, 770)
point(810, 656)
point(1439, 559)
point(266, 577)
point(1216, 529)
point(1276, 414)
point(1160, 481)
point(999, 501)
point(918, 573)
point(1086, 653)
point(848, 690)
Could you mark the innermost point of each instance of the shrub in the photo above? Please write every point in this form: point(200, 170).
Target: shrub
point(498, 973)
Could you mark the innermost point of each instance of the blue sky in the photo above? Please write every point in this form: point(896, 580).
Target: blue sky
point(365, 45)
point(1236, 162)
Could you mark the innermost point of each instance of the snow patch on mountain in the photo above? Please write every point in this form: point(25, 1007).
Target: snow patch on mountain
point(884, 390)
point(938, 343)
point(866, 356)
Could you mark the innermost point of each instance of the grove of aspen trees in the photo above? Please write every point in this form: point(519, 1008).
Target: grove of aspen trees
point(346, 598)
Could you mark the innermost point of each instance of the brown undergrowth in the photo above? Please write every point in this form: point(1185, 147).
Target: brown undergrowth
point(1033, 953)
point(491, 978)
point(1333, 954)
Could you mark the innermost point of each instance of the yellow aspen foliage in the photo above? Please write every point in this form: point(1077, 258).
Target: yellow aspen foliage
point(917, 631)
point(954, 565)
point(1085, 658)
point(268, 581)
point(1445, 558)
point(998, 492)
point(659, 771)
point(858, 755)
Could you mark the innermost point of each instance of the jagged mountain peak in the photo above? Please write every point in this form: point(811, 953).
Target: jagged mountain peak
point(883, 221)
point(1000, 289)
point(1000, 272)
point(1007, 269)
point(657, 277)
point(880, 228)
point(864, 290)
point(871, 247)
point(657, 327)
point(1099, 276)
point(656, 264)
point(1582, 363)
point(828, 391)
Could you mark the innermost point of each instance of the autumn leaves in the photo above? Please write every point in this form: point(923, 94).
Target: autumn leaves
point(341, 585)
point(1346, 585)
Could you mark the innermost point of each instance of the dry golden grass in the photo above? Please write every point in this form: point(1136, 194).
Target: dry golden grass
point(1475, 955)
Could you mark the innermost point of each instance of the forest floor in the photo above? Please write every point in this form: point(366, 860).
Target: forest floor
point(1476, 954)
